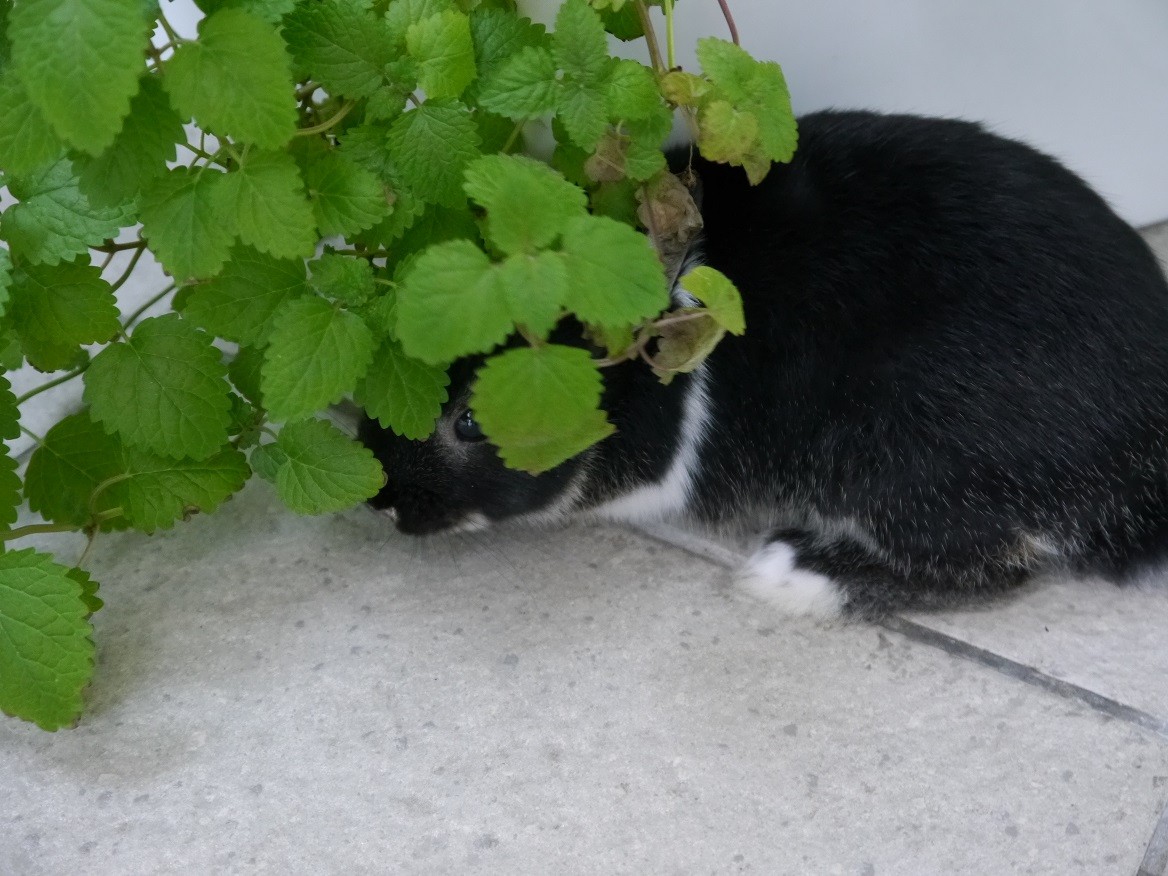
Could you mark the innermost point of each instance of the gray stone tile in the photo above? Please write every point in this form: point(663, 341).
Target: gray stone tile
point(281, 695)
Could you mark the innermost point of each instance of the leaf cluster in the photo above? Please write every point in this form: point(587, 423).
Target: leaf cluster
point(338, 193)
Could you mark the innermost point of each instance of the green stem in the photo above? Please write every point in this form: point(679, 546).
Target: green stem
point(31, 434)
point(45, 386)
point(34, 529)
point(324, 126)
point(171, 33)
point(650, 36)
point(670, 51)
point(129, 268)
point(515, 132)
point(137, 314)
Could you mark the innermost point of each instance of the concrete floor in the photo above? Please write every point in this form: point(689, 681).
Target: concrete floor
point(285, 695)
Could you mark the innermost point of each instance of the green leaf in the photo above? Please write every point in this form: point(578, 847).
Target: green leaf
point(346, 198)
point(632, 91)
point(266, 460)
point(184, 219)
point(342, 277)
point(238, 304)
point(727, 134)
point(682, 347)
point(579, 42)
point(719, 295)
point(539, 405)
point(528, 204)
point(405, 395)
point(163, 390)
point(341, 45)
point(9, 491)
point(535, 288)
point(450, 304)
point(267, 198)
point(27, 140)
point(154, 492)
point(80, 61)
point(754, 88)
point(402, 13)
point(442, 47)
point(614, 276)
point(316, 354)
point(140, 151)
point(499, 34)
point(5, 281)
point(88, 589)
point(80, 471)
point(522, 87)
point(54, 221)
point(9, 412)
point(46, 645)
point(324, 470)
point(235, 81)
point(57, 308)
point(245, 370)
point(430, 147)
point(583, 109)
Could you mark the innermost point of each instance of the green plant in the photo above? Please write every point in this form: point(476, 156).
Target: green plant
point(385, 128)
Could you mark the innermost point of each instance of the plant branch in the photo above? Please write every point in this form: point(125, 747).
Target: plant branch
point(171, 33)
point(34, 529)
point(670, 50)
point(31, 434)
point(121, 281)
point(324, 126)
point(137, 314)
point(515, 132)
point(729, 21)
point(65, 378)
point(650, 36)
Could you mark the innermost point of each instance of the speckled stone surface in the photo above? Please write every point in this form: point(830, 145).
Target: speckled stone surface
point(286, 695)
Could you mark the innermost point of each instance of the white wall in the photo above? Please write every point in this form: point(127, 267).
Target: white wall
point(1086, 80)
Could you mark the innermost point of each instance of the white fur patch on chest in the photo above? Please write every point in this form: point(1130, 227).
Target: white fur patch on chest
point(670, 495)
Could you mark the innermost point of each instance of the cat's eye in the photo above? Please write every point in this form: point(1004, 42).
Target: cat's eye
point(467, 428)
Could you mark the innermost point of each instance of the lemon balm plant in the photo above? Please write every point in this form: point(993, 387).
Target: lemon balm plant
point(334, 190)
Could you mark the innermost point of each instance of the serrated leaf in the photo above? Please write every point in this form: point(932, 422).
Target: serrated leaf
point(539, 405)
point(614, 276)
point(272, 213)
point(315, 355)
point(9, 411)
point(430, 147)
point(155, 491)
point(535, 288)
point(88, 589)
point(27, 140)
point(583, 109)
point(685, 89)
point(528, 204)
point(753, 88)
point(727, 134)
point(245, 371)
point(404, 394)
point(632, 91)
point(57, 308)
point(235, 81)
point(498, 34)
point(184, 219)
point(238, 304)
point(522, 87)
point(163, 390)
point(80, 470)
point(46, 645)
point(80, 61)
point(341, 45)
point(720, 297)
point(324, 470)
point(579, 43)
point(266, 460)
point(9, 491)
point(402, 13)
point(54, 221)
point(5, 282)
point(441, 46)
point(342, 277)
point(345, 197)
point(271, 11)
point(450, 305)
point(140, 151)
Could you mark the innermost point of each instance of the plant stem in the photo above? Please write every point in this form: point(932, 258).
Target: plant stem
point(137, 314)
point(670, 53)
point(129, 268)
point(112, 247)
point(170, 31)
point(515, 132)
point(729, 21)
point(44, 386)
point(34, 529)
point(324, 126)
point(650, 37)
point(33, 435)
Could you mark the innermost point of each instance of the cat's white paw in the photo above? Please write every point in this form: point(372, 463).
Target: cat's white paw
point(771, 575)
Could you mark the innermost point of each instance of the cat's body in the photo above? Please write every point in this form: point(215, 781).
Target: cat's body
point(954, 375)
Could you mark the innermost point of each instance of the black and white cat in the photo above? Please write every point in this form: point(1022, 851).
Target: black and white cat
point(954, 375)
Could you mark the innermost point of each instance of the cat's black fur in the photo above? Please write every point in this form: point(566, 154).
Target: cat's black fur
point(955, 374)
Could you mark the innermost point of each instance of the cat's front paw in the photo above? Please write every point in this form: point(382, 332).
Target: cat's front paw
point(773, 575)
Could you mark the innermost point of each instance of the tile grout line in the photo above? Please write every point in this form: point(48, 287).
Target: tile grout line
point(1155, 861)
point(727, 558)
